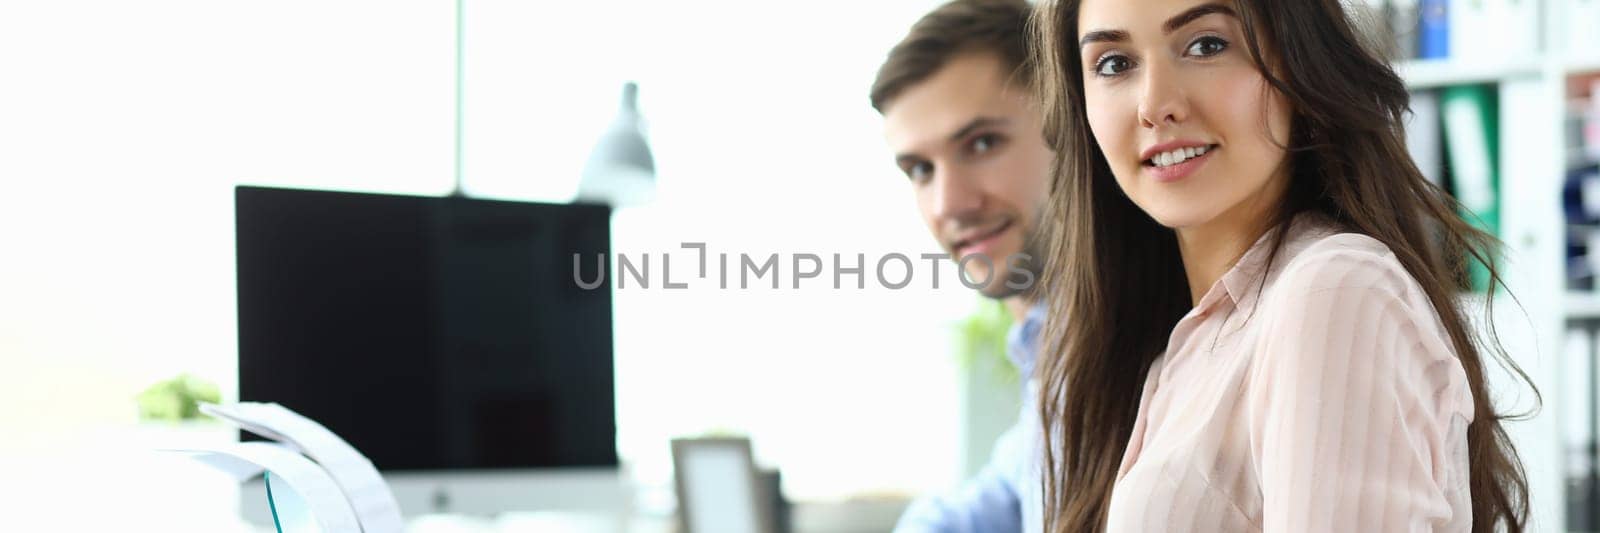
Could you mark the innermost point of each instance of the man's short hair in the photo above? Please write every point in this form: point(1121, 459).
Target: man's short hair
point(960, 26)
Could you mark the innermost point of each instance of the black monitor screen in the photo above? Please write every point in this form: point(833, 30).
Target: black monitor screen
point(430, 333)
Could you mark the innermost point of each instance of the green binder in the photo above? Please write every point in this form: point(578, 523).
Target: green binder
point(1472, 147)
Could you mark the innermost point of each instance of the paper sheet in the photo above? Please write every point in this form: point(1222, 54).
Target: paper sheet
point(326, 502)
point(368, 495)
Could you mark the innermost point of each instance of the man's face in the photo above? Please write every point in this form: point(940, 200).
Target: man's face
point(972, 146)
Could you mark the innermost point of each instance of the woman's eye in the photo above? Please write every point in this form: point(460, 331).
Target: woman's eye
point(1112, 65)
point(1207, 46)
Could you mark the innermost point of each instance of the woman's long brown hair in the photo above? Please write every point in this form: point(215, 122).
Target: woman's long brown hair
point(1116, 276)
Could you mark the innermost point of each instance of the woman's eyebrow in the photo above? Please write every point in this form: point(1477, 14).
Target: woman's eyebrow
point(1184, 18)
point(1171, 25)
point(1102, 36)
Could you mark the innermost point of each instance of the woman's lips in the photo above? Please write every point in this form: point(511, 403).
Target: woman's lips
point(1172, 173)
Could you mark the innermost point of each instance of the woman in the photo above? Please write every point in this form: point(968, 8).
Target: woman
point(1265, 336)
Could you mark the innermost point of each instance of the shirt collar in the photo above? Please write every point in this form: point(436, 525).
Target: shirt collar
point(1241, 283)
point(1022, 342)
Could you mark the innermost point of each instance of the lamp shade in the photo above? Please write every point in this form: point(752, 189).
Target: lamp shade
point(620, 170)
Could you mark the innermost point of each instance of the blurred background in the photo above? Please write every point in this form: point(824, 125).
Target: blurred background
point(126, 127)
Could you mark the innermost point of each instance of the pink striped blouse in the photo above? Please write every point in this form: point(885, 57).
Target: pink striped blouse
point(1330, 400)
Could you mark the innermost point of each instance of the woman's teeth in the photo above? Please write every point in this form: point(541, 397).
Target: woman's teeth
point(1167, 159)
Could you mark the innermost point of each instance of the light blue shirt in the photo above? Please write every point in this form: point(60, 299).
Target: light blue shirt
point(1005, 496)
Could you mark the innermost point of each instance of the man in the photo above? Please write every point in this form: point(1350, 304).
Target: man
point(957, 114)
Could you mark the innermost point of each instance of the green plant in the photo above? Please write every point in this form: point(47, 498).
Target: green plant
point(177, 399)
point(982, 340)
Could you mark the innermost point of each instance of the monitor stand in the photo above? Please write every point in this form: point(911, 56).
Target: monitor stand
point(599, 491)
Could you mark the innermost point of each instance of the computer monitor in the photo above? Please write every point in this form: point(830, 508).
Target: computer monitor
point(446, 338)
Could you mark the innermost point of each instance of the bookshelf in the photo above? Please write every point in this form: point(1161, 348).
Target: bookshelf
point(1436, 73)
point(1581, 305)
point(1538, 320)
point(1584, 64)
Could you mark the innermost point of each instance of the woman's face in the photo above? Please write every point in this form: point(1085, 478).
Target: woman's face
point(1190, 128)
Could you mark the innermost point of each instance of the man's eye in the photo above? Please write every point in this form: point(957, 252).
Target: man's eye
point(920, 172)
point(983, 143)
point(1207, 46)
point(1112, 65)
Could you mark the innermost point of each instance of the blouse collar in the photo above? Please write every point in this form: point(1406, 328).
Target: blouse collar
point(1241, 284)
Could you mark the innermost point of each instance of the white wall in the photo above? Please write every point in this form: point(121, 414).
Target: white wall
point(125, 125)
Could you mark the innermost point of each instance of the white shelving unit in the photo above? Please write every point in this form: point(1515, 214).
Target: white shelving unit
point(1433, 73)
point(1584, 64)
point(1583, 306)
point(1533, 165)
point(1579, 309)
